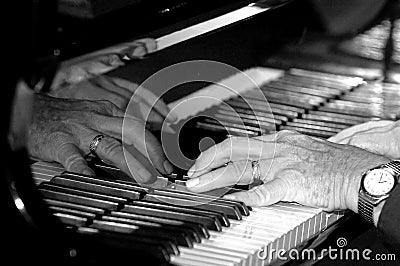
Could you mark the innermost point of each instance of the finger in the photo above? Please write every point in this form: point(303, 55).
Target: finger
point(108, 84)
point(233, 173)
point(89, 90)
point(111, 150)
point(139, 48)
point(133, 132)
point(232, 149)
point(144, 95)
point(72, 160)
point(263, 195)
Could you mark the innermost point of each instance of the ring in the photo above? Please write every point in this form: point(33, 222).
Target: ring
point(94, 143)
point(256, 175)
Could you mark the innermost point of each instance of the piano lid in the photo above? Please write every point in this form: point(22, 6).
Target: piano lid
point(89, 25)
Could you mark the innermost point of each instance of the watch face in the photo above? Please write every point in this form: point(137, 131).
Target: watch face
point(378, 182)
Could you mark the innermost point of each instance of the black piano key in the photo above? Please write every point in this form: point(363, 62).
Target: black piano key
point(350, 119)
point(196, 229)
point(151, 210)
point(337, 120)
point(75, 199)
point(306, 87)
point(311, 132)
point(215, 217)
point(247, 120)
point(225, 121)
point(70, 219)
point(225, 211)
point(264, 116)
point(117, 192)
point(73, 206)
point(230, 123)
point(320, 123)
point(178, 235)
point(284, 93)
point(127, 245)
point(107, 182)
point(341, 109)
point(262, 107)
point(83, 214)
point(230, 131)
point(237, 205)
point(300, 124)
point(79, 192)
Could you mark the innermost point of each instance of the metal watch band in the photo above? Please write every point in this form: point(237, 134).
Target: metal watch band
point(365, 206)
point(365, 209)
point(394, 165)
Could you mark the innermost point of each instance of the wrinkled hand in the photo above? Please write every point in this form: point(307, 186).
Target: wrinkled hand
point(381, 137)
point(143, 103)
point(294, 168)
point(61, 130)
point(81, 79)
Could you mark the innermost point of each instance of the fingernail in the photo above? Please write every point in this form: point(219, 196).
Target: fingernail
point(229, 197)
point(88, 172)
point(192, 182)
point(172, 117)
point(144, 175)
point(168, 167)
point(190, 172)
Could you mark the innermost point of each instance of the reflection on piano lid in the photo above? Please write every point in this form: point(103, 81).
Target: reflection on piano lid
point(186, 33)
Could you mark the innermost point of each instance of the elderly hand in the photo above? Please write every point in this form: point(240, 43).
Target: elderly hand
point(61, 130)
point(381, 137)
point(81, 79)
point(293, 167)
point(143, 103)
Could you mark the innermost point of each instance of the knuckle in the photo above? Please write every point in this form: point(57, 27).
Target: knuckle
point(110, 148)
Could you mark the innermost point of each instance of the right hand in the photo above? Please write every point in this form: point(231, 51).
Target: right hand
point(62, 129)
point(380, 137)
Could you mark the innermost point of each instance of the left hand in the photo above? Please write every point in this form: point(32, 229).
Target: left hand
point(294, 168)
point(143, 105)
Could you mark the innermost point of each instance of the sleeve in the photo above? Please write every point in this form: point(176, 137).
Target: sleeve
point(389, 222)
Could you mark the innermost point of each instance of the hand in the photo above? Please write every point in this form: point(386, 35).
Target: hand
point(294, 168)
point(143, 103)
point(61, 130)
point(381, 137)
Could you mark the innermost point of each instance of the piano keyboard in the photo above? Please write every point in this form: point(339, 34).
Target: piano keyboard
point(217, 232)
point(311, 102)
point(228, 233)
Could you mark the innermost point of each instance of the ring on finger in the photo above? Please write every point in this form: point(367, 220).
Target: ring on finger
point(94, 143)
point(256, 173)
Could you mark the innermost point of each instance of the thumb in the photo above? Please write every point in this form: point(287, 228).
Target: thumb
point(266, 194)
point(72, 160)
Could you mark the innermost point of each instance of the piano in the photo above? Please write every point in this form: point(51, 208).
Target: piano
point(261, 49)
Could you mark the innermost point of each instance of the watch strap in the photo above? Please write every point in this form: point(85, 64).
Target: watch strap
point(365, 209)
point(395, 166)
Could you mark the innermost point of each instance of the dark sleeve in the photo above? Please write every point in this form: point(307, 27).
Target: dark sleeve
point(389, 221)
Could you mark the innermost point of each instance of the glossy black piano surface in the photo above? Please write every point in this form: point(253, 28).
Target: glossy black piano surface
point(324, 88)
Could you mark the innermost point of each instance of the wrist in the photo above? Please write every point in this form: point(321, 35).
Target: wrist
point(352, 195)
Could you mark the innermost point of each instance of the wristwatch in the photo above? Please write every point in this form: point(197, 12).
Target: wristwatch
point(376, 186)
